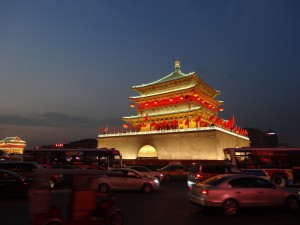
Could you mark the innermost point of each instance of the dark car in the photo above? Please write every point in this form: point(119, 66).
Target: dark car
point(201, 171)
point(31, 170)
point(64, 166)
point(26, 169)
point(13, 184)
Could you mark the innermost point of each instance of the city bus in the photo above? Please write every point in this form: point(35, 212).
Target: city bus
point(280, 165)
point(103, 158)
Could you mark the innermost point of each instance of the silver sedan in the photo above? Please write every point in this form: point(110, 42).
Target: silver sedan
point(124, 179)
point(147, 172)
point(230, 192)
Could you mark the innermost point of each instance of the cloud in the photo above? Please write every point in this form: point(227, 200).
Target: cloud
point(51, 119)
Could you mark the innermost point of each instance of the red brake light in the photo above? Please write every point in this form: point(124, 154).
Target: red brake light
point(198, 175)
point(204, 192)
point(115, 152)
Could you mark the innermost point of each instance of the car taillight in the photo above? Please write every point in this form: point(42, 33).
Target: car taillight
point(198, 175)
point(204, 192)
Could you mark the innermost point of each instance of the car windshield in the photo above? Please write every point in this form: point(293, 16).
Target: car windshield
point(216, 180)
point(11, 174)
point(140, 169)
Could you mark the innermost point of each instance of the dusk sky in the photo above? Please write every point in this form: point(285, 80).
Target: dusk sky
point(67, 66)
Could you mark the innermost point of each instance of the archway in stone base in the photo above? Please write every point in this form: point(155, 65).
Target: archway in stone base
point(147, 152)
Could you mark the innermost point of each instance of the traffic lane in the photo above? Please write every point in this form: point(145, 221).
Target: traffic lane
point(155, 207)
point(170, 205)
point(14, 211)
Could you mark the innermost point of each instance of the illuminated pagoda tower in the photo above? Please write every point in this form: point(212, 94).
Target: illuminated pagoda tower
point(176, 119)
point(12, 145)
point(175, 101)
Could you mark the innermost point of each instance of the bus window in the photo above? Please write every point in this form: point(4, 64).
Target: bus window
point(245, 159)
point(282, 161)
point(86, 158)
point(266, 162)
point(227, 157)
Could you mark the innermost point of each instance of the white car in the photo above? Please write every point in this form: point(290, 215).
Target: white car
point(147, 172)
point(124, 179)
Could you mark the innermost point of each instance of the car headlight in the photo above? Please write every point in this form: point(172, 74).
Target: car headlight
point(156, 181)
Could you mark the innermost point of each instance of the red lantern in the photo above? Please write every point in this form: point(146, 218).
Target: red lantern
point(132, 105)
point(221, 109)
point(125, 126)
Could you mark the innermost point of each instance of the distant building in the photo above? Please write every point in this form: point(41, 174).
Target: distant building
point(12, 145)
point(259, 138)
point(84, 144)
point(176, 118)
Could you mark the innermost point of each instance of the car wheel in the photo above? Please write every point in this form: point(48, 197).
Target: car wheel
point(147, 188)
point(279, 180)
point(230, 207)
point(168, 178)
point(103, 188)
point(292, 204)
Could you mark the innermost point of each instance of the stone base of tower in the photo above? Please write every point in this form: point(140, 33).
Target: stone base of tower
point(190, 144)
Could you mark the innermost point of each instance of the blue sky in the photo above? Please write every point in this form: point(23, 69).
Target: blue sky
point(67, 66)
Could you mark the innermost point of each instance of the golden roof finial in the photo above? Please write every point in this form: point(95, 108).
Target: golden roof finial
point(177, 64)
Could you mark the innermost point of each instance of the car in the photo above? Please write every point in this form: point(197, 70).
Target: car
point(201, 171)
point(124, 179)
point(230, 192)
point(147, 172)
point(13, 184)
point(26, 169)
point(174, 172)
point(32, 170)
point(64, 166)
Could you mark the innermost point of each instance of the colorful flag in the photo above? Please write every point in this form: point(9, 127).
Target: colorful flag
point(153, 124)
point(187, 122)
point(211, 118)
point(175, 124)
point(139, 127)
point(230, 122)
point(99, 130)
point(106, 129)
point(198, 121)
point(131, 128)
point(146, 118)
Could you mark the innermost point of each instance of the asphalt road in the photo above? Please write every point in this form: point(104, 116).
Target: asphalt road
point(171, 206)
point(167, 206)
